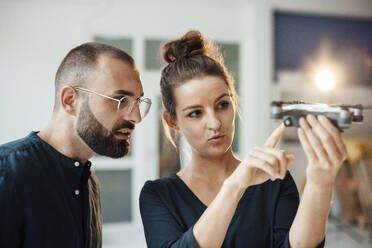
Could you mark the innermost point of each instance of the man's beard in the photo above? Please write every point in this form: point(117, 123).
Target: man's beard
point(99, 138)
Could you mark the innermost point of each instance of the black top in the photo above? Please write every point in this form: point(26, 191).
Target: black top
point(44, 197)
point(263, 217)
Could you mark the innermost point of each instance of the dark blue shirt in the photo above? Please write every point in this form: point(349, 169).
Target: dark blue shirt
point(263, 217)
point(44, 197)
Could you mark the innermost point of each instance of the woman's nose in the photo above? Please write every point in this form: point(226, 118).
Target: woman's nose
point(213, 122)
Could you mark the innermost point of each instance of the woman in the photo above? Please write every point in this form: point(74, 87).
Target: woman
point(218, 200)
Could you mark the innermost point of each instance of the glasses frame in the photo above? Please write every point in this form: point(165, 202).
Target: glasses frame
point(137, 101)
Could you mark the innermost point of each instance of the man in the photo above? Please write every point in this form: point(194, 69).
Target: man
point(48, 195)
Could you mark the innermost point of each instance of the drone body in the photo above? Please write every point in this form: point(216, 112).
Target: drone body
point(341, 115)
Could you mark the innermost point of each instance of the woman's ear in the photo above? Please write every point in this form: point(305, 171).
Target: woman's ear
point(170, 122)
point(69, 100)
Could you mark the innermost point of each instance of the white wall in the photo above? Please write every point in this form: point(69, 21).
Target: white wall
point(35, 35)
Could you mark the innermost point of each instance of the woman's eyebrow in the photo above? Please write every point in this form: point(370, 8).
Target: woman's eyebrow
point(199, 106)
point(221, 96)
point(191, 107)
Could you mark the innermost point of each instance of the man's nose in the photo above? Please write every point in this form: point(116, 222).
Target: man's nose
point(133, 114)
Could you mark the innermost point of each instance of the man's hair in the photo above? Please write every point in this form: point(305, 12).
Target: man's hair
point(81, 61)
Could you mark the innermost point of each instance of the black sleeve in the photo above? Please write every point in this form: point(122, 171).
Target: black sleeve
point(161, 228)
point(10, 210)
point(286, 209)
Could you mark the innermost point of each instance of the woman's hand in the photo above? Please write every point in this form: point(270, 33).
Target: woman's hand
point(262, 163)
point(324, 149)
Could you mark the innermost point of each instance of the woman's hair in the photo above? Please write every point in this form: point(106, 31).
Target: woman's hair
point(190, 57)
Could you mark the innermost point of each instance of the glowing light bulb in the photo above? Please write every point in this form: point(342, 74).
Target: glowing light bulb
point(325, 80)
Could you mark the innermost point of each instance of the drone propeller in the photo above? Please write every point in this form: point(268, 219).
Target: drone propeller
point(356, 106)
point(279, 103)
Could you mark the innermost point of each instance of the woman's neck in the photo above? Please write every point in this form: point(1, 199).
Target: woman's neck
point(210, 169)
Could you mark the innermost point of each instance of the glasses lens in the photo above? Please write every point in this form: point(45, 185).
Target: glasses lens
point(144, 107)
point(124, 103)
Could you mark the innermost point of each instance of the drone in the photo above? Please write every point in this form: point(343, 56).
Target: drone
point(341, 115)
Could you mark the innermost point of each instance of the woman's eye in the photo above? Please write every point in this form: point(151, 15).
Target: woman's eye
point(194, 114)
point(223, 105)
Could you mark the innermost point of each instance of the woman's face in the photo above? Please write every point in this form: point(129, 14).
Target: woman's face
point(205, 115)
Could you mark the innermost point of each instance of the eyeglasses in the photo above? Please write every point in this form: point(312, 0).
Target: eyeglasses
point(126, 103)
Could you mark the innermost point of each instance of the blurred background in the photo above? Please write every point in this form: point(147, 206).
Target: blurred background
point(317, 51)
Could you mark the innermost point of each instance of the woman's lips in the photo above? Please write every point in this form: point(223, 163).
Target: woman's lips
point(216, 139)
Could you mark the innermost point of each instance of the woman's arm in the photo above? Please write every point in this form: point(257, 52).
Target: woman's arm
point(261, 164)
point(211, 228)
point(325, 151)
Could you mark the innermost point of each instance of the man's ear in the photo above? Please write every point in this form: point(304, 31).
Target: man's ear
point(170, 122)
point(69, 99)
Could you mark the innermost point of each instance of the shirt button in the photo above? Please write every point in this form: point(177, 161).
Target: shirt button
point(77, 192)
point(77, 164)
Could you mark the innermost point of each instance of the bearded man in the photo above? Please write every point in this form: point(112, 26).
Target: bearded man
point(49, 197)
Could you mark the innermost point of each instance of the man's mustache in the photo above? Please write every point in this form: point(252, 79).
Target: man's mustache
point(126, 124)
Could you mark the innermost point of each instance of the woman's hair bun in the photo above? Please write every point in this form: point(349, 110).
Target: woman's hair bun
point(192, 43)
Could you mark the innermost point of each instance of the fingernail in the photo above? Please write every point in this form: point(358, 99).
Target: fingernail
point(322, 117)
point(310, 118)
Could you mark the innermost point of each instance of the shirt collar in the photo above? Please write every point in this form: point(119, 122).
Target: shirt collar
point(72, 164)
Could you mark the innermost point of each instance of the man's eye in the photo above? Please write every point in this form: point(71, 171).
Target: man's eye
point(194, 114)
point(223, 105)
point(123, 102)
point(119, 97)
